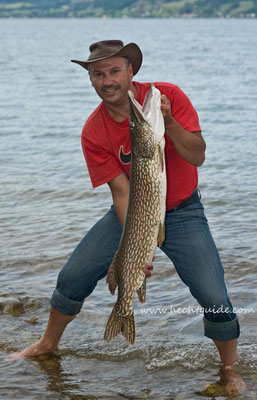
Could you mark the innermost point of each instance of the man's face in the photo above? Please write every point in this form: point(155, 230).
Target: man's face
point(111, 79)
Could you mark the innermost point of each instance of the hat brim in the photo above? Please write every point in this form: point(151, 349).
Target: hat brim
point(131, 51)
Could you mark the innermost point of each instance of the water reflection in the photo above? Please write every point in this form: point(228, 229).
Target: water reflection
point(58, 380)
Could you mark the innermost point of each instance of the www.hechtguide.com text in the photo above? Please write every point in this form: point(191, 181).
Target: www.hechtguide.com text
point(196, 310)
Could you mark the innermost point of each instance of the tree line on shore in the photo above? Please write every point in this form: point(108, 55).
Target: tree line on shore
point(128, 8)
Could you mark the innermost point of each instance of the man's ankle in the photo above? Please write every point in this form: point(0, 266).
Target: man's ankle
point(46, 346)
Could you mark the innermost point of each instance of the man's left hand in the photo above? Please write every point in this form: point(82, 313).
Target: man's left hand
point(166, 109)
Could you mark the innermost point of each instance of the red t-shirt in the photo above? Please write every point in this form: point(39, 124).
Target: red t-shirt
point(106, 145)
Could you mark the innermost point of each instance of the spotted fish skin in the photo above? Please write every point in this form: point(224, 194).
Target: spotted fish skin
point(144, 224)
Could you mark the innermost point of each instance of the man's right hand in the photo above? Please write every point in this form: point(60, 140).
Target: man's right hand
point(148, 269)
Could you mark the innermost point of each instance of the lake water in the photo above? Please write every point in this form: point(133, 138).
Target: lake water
point(47, 205)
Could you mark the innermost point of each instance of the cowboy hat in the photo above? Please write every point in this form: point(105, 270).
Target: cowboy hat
point(109, 48)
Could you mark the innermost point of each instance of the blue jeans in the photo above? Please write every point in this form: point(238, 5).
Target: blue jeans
point(189, 245)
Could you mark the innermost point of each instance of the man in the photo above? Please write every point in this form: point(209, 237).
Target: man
point(188, 242)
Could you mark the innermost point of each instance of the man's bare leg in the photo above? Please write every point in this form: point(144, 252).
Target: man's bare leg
point(49, 342)
point(228, 356)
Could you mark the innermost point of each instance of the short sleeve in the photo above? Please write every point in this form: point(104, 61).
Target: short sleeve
point(183, 111)
point(101, 163)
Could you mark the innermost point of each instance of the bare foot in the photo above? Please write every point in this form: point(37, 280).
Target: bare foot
point(235, 383)
point(35, 350)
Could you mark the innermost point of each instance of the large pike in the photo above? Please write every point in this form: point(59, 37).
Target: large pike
point(144, 225)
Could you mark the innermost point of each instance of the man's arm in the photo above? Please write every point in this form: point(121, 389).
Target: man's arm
point(120, 190)
point(189, 145)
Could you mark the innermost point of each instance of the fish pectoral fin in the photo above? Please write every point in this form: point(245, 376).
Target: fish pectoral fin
point(120, 324)
point(111, 278)
point(161, 234)
point(141, 292)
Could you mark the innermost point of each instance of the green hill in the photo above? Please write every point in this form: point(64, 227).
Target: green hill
point(128, 8)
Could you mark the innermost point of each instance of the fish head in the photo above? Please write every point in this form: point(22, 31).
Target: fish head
point(140, 130)
point(146, 123)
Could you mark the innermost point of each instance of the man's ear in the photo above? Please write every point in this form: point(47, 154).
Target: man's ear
point(90, 78)
point(130, 70)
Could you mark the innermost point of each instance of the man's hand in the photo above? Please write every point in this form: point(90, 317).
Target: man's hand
point(148, 269)
point(166, 109)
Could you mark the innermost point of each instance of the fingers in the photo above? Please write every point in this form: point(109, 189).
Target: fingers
point(147, 271)
point(164, 100)
point(165, 108)
point(148, 268)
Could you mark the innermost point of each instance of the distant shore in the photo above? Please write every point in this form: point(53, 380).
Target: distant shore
point(124, 17)
point(128, 9)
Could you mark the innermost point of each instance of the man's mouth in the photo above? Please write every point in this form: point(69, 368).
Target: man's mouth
point(110, 89)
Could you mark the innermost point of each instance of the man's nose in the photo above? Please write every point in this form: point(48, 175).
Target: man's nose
point(108, 80)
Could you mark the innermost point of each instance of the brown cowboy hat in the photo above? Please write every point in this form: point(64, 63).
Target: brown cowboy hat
point(109, 48)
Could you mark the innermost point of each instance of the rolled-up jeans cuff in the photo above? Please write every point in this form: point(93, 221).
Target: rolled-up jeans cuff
point(64, 305)
point(221, 331)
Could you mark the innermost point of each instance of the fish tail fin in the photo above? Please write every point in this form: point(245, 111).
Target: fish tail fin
point(128, 328)
point(161, 235)
point(119, 324)
point(141, 292)
point(113, 326)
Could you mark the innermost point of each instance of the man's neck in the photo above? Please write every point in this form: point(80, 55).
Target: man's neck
point(120, 112)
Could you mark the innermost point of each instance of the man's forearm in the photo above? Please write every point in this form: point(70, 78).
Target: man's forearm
point(120, 205)
point(120, 191)
point(189, 145)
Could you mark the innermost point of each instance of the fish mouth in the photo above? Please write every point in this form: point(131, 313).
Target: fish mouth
point(149, 114)
point(136, 110)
